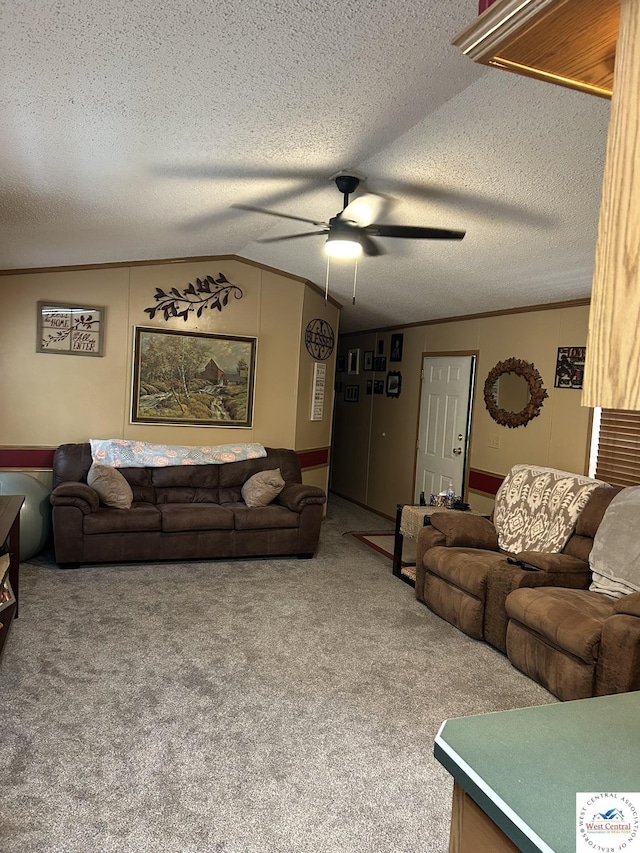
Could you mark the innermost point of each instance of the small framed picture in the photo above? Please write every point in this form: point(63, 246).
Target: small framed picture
point(394, 383)
point(367, 360)
point(353, 361)
point(369, 386)
point(351, 393)
point(378, 386)
point(340, 364)
point(397, 342)
point(380, 364)
point(570, 367)
point(380, 346)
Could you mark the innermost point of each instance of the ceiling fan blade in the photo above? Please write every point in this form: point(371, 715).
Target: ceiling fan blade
point(370, 247)
point(367, 208)
point(253, 209)
point(290, 236)
point(412, 232)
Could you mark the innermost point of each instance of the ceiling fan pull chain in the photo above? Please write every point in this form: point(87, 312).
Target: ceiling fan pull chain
point(355, 278)
point(326, 283)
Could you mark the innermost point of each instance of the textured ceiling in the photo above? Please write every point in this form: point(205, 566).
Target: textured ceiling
point(128, 128)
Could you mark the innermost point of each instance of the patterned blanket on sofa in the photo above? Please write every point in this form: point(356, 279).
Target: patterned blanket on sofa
point(123, 453)
point(537, 508)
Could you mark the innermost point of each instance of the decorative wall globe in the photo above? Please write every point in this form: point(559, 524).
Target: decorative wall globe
point(35, 515)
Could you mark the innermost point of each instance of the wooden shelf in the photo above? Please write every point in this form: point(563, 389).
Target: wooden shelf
point(568, 42)
point(10, 506)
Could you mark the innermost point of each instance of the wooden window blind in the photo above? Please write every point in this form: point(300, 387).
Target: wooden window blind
point(618, 460)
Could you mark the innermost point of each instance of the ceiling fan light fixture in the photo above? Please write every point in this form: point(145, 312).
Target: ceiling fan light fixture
point(341, 247)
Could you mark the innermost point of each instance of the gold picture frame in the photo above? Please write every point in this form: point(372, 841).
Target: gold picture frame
point(192, 378)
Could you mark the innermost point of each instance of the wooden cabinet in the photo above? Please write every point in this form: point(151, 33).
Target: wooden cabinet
point(10, 506)
point(592, 45)
point(568, 42)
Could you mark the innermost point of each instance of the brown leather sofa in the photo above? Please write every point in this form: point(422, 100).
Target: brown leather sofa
point(463, 576)
point(182, 512)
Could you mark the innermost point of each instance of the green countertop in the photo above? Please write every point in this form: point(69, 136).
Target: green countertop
point(524, 767)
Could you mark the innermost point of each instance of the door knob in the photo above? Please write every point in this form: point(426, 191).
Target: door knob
point(457, 451)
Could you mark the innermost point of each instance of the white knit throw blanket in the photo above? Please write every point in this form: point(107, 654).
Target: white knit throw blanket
point(123, 453)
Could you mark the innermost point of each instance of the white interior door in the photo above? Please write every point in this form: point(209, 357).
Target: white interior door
point(443, 433)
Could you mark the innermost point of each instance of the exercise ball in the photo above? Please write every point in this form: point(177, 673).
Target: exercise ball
point(35, 515)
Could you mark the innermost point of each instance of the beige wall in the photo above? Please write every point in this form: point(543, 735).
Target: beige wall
point(310, 434)
point(375, 439)
point(49, 399)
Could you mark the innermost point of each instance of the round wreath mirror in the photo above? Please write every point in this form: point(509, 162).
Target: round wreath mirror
point(513, 392)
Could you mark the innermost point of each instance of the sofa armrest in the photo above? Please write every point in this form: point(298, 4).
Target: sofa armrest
point(76, 494)
point(428, 537)
point(296, 496)
point(462, 530)
point(552, 563)
point(628, 604)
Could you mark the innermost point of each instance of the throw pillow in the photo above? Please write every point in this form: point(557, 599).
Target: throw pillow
point(111, 486)
point(262, 488)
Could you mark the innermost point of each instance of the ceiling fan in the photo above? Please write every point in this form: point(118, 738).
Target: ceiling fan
point(351, 231)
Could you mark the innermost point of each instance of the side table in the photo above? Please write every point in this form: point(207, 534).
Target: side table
point(10, 506)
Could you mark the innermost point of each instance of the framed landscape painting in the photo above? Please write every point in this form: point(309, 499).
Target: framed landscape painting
point(192, 378)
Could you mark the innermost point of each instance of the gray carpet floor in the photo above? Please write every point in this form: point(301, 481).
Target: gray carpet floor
point(250, 706)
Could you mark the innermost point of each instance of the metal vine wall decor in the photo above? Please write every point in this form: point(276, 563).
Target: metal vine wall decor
point(208, 292)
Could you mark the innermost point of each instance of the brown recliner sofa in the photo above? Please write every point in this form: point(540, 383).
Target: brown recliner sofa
point(462, 575)
point(182, 512)
point(583, 643)
point(576, 643)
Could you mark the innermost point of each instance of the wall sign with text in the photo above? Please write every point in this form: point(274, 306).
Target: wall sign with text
point(70, 329)
point(570, 367)
point(317, 394)
point(319, 339)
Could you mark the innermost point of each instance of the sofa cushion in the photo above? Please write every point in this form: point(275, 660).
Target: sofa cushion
point(110, 485)
point(462, 529)
point(569, 619)
point(186, 484)
point(140, 518)
point(140, 481)
point(262, 488)
point(194, 516)
point(262, 517)
point(537, 508)
point(465, 568)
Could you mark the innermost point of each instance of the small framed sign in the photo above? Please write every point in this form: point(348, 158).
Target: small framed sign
point(317, 393)
point(570, 367)
point(70, 329)
point(351, 393)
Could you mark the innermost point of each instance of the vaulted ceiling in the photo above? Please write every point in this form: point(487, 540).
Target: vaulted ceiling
point(129, 128)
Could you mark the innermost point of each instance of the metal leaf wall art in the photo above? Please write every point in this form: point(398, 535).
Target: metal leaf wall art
point(209, 292)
